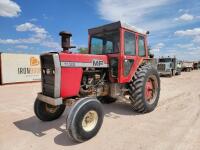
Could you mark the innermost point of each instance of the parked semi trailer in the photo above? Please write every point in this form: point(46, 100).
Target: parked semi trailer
point(187, 66)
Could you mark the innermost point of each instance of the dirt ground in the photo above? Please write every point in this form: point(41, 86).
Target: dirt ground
point(173, 125)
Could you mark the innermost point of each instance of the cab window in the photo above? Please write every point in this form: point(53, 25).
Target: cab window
point(97, 46)
point(105, 43)
point(141, 46)
point(129, 43)
point(109, 47)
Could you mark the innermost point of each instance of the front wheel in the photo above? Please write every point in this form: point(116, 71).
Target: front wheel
point(145, 89)
point(84, 119)
point(47, 112)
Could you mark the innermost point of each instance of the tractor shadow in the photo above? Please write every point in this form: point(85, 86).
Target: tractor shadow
point(118, 109)
point(39, 128)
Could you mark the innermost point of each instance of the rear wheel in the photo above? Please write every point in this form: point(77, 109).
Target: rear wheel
point(145, 89)
point(84, 119)
point(47, 112)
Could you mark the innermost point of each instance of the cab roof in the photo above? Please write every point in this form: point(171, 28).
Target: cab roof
point(114, 26)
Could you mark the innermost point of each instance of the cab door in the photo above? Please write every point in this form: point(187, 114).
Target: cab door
point(133, 51)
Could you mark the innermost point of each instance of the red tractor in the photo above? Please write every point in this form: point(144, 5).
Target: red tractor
point(117, 66)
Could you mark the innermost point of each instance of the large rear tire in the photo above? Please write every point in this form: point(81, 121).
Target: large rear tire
point(47, 112)
point(84, 119)
point(145, 89)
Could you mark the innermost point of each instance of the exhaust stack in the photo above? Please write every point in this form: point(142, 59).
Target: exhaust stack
point(65, 41)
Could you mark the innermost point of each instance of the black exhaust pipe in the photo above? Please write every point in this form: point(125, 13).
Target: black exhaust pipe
point(65, 41)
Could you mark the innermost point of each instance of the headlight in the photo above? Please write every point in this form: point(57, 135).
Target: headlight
point(43, 71)
point(48, 71)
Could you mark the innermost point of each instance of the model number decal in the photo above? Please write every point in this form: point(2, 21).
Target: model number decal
point(69, 64)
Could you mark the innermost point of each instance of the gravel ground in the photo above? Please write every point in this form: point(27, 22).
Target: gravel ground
point(174, 124)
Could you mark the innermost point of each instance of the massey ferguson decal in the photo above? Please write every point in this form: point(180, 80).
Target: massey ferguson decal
point(94, 63)
point(97, 63)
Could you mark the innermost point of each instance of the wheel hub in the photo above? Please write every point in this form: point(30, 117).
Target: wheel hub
point(151, 89)
point(50, 108)
point(90, 120)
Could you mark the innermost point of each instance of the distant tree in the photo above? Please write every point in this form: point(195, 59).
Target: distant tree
point(83, 50)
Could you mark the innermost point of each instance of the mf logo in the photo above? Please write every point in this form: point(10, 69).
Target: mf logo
point(97, 63)
point(34, 61)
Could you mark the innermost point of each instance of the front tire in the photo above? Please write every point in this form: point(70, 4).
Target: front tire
point(145, 89)
point(84, 119)
point(47, 112)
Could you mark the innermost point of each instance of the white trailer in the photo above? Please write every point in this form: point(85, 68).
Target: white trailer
point(16, 68)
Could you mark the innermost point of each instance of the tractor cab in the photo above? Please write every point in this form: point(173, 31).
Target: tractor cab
point(125, 46)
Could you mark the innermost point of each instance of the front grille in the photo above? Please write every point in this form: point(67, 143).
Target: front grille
point(48, 74)
point(161, 67)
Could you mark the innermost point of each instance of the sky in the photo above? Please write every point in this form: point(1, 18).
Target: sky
point(33, 26)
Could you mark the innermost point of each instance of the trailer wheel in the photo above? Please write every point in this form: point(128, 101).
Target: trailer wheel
point(173, 72)
point(84, 119)
point(145, 89)
point(47, 112)
point(178, 72)
point(170, 74)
